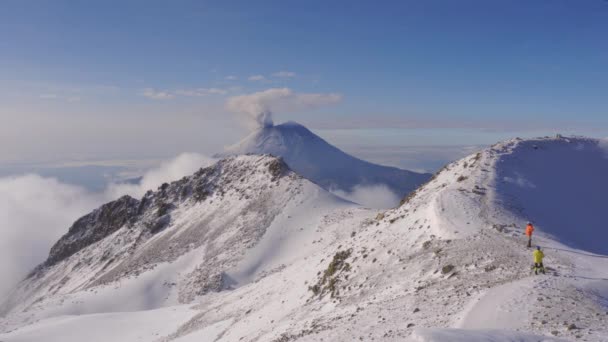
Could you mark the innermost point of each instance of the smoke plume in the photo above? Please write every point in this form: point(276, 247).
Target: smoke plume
point(258, 107)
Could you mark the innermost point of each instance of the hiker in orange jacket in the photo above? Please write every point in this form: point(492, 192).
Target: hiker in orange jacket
point(529, 231)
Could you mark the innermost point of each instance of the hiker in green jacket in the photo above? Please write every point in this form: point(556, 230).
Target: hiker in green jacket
point(538, 261)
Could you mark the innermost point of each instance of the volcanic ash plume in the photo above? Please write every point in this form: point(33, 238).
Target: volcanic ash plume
point(258, 107)
point(264, 118)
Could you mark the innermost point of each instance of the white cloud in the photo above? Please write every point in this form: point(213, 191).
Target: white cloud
point(284, 74)
point(157, 94)
point(259, 106)
point(377, 196)
point(257, 78)
point(231, 78)
point(183, 165)
point(35, 212)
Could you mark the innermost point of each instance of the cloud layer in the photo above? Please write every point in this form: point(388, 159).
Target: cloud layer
point(258, 107)
point(183, 165)
point(36, 211)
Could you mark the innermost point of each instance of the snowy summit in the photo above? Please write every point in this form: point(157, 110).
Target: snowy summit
point(314, 158)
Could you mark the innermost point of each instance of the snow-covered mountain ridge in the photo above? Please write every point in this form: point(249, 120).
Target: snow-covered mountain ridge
point(312, 157)
point(452, 255)
point(153, 212)
point(208, 221)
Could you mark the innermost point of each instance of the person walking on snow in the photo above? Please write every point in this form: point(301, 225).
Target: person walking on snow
point(529, 231)
point(538, 261)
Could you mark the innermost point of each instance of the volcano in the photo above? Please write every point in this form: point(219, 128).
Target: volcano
point(312, 157)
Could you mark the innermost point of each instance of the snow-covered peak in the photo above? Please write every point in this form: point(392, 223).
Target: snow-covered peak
point(278, 140)
point(312, 157)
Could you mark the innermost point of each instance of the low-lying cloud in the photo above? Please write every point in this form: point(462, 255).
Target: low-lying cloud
point(378, 196)
point(258, 107)
point(36, 211)
point(183, 165)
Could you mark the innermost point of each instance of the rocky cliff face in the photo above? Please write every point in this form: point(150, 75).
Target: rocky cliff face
point(93, 227)
point(151, 213)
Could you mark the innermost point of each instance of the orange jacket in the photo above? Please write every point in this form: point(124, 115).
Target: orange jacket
point(529, 230)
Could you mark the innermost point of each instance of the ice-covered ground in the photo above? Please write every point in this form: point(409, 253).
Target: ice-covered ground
point(146, 325)
point(449, 264)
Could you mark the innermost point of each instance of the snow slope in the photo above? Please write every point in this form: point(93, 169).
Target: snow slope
point(457, 335)
point(312, 157)
point(538, 179)
point(449, 264)
point(102, 327)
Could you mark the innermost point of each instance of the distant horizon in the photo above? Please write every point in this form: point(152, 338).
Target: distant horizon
point(95, 174)
point(130, 80)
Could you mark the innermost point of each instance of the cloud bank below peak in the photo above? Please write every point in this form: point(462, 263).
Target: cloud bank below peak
point(36, 211)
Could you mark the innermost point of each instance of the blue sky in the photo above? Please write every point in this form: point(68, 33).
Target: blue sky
point(105, 79)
